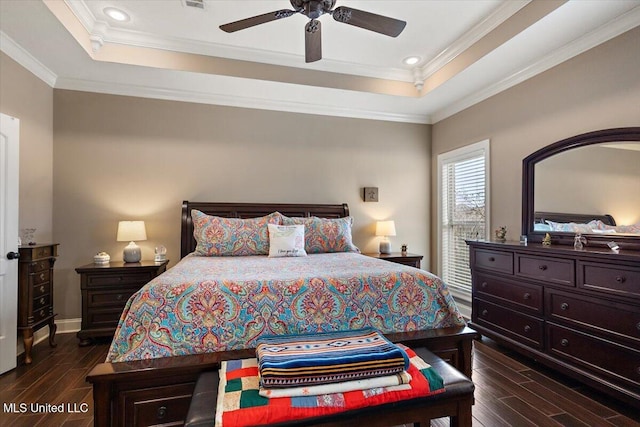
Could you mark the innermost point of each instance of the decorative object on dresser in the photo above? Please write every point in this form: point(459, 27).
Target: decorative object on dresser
point(385, 229)
point(35, 293)
point(130, 231)
point(105, 291)
point(412, 260)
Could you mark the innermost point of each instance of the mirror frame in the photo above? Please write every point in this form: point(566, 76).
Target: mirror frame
point(528, 182)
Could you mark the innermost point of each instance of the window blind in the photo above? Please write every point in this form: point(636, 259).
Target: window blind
point(463, 216)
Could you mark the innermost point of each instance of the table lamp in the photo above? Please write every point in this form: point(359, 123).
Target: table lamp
point(385, 229)
point(130, 231)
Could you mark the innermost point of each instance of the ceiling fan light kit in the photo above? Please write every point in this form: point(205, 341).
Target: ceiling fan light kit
point(313, 9)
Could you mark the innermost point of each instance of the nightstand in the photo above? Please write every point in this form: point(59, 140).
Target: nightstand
point(106, 290)
point(35, 293)
point(405, 258)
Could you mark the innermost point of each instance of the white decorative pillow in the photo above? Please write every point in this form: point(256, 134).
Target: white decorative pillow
point(286, 240)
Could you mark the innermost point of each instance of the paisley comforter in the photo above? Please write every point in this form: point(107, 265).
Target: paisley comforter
point(208, 304)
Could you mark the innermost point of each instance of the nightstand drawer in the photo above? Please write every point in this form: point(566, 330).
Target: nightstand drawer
point(104, 318)
point(493, 260)
point(617, 280)
point(552, 270)
point(116, 298)
point(114, 279)
point(525, 296)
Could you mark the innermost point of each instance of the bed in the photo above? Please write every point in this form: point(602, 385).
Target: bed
point(207, 309)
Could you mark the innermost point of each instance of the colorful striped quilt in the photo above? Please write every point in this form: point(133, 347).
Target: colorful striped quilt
point(239, 403)
point(209, 304)
point(331, 357)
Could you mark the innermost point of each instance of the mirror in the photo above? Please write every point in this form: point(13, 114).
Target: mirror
point(587, 183)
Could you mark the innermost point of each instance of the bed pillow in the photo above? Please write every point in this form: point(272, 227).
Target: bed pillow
point(571, 227)
point(322, 235)
point(218, 236)
point(286, 240)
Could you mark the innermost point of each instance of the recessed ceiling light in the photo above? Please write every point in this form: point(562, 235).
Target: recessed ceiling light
point(411, 60)
point(116, 14)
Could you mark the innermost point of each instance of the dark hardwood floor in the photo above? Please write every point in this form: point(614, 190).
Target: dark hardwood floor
point(510, 390)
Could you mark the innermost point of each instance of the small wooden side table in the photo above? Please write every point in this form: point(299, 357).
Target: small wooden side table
point(412, 260)
point(35, 293)
point(106, 290)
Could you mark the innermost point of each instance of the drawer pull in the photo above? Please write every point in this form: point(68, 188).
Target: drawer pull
point(564, 342)
point(638, 326)
point(485, 312)
point(119, 297)
point(484, 285)
point(162, 412)
point(42, 313)
point(42, 289)
point(491, 259)
point(564, 306)
point(527, 328)
point(621, 279)
point(42, 276)
point(542, 267)
point(527, 295)
point(42, 300)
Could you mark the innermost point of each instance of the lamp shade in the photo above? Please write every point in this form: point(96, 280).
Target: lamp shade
point(385, 228)
point(130, 231)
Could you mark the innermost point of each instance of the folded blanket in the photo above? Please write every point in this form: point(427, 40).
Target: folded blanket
point(315, 390)
point(313, 359)
point(239, 403)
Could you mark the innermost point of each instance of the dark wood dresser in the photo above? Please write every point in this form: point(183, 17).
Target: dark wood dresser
point(574, 311)
point(405, 258)
point(105, 291)
point(35, 293)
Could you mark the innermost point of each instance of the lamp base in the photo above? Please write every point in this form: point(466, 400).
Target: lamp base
point(131, 253)
point(385, 247)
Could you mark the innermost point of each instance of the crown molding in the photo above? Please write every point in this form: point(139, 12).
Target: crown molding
point(24, 58)
point(481, 29)
point(605, 32)
point(234, 101)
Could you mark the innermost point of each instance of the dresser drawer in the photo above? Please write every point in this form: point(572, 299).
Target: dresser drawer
point(611, 279)
point(611, 318)
point(41, 289)
point(41, 277)
point(550, 270)
point(41, 313)
point(605, 357)
point(493, 260)
point(41, 302)
point(521, 327)
point(41, 265)
point(115, 279)
point(522, 295)
point(115, 298)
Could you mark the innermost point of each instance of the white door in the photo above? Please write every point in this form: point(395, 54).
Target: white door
point(9, 134)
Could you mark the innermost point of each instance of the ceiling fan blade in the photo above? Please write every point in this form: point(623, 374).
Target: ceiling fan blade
point(369, 21)
point(312, 41)
point(256, 20)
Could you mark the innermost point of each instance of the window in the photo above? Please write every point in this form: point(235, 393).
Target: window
point(463, 198)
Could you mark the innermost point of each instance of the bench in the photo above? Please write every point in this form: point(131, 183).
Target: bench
point(455, 402)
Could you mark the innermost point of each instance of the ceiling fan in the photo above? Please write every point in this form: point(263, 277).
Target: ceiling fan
point(313, 9)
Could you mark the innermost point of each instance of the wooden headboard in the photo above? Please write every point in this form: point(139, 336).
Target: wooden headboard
point(249, 210)
point(541, 217)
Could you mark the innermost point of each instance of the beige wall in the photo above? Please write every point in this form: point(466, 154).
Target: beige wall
point(598, 89)
point(121, 157)
point(28, 98)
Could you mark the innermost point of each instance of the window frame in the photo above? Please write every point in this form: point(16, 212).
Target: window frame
point(453, 156)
